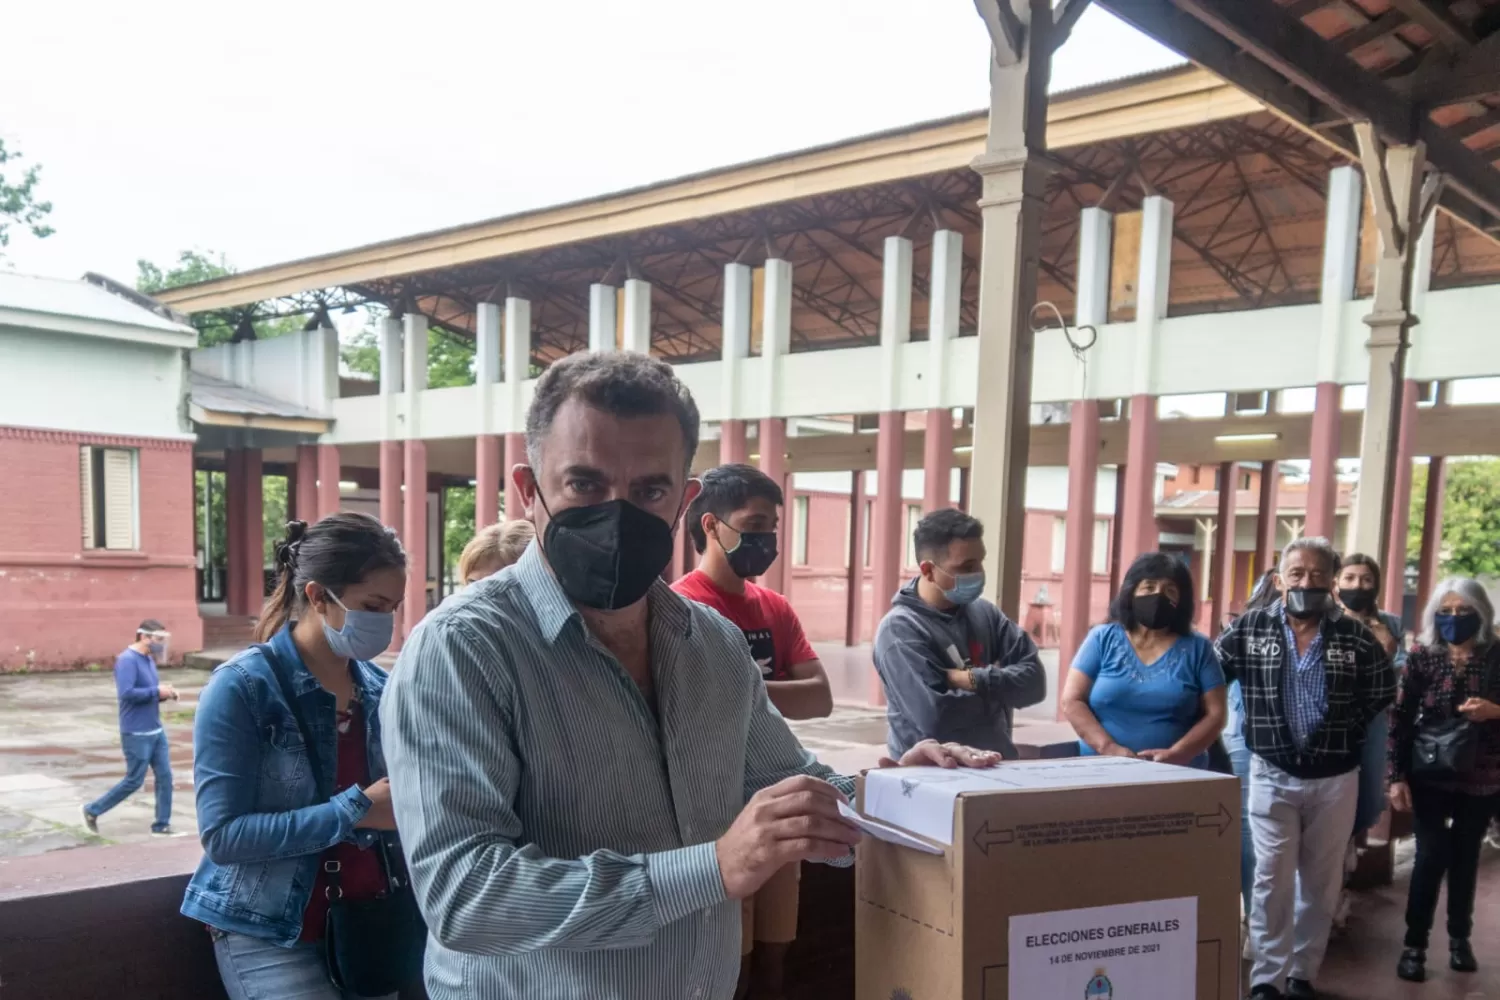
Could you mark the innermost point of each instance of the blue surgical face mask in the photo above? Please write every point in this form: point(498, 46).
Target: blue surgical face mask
point(365, 634)
point(966, 589)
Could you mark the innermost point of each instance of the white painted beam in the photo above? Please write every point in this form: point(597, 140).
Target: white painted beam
point(943, 308)
point(637, 316)
point(602, 322)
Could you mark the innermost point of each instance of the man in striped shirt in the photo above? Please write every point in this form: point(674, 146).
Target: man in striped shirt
point(587, 773)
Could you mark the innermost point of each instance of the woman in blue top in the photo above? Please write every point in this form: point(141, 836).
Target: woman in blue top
point(1145, 684)
point(272, 844)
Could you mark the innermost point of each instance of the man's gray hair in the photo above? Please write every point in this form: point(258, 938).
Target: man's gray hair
point(1321, 547)
point(1473, 594)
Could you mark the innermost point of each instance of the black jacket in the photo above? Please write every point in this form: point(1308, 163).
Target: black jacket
point(1359, 683)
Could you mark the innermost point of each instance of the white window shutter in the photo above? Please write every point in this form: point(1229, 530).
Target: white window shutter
point(86, 493)
point(119, 499)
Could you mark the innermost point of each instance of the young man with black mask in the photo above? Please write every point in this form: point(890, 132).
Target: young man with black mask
point(732, 524)
point(1313, 678)
point(954, 667)
point(587, 773)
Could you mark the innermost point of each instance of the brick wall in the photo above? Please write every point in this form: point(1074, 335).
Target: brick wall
point(62, 606)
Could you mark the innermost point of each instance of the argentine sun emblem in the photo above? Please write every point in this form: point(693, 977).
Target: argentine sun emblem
point(1099, 987)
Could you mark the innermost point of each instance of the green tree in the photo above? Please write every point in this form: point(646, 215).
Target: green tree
point(450, 361)
point(18, 202)
point(1470, 544)
point(191, 268)
point(458, 524)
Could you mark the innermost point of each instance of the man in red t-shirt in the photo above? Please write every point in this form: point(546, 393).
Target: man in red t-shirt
point(732, 524)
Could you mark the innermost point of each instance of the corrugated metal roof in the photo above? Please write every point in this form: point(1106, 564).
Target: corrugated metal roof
point(78, 300)
point(220, 396)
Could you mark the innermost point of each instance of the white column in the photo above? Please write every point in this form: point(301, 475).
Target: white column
point(602, 322)
point(388, 334)
point(414, 373)
point(776, 333)
point(638, 316)
point(486, 362)
point(1340, 254)
point(1152, 285)
point(895, 318)
point(943, 308)
point(1095, 235)
point(736, 336)
point(517, 357)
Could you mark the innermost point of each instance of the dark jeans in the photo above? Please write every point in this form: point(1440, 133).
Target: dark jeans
point(1445, 847)
point(141, 752)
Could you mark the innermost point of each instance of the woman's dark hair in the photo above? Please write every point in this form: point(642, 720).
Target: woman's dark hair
point(1156, 566)
point(1265, 593)
point(1360, 559)
point(338, 552)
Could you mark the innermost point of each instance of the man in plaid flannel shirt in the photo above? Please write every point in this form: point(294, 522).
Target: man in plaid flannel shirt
point(1312, 679)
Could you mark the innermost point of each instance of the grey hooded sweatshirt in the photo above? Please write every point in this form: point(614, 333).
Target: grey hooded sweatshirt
point(917, 644)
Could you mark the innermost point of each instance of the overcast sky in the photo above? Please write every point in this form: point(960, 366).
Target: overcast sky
point(276, 130)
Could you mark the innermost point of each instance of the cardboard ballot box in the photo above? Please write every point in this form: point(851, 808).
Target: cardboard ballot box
point(1090, 878)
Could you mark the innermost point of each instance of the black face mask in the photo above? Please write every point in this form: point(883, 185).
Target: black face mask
point(1153, 611)
point(753, 555)
point(1306, 602)
point(1358, 599)
point(606, 556)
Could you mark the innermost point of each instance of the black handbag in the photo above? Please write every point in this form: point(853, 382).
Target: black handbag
point(371, 947)
point(1444, 751)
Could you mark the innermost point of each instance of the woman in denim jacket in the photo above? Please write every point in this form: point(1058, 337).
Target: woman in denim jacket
point(268, 841)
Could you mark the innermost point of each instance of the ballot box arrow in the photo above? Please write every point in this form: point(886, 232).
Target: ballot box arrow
point(1220, 819)
point(985, 838)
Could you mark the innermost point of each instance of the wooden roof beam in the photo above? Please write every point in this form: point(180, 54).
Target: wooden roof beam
point(1474, 75)
point(1220, 33)
point(1445, 29)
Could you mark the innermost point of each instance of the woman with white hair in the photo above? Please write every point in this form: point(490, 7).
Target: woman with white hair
point(1452, 677)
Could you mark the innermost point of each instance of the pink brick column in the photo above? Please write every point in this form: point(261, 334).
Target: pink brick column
point(937, 460)
point(1265, 518)
point(886, 542)
point(733, 447)
point(391, 506)
point(306, 501)
point(1222, 569)
point(236, 600)
point(1078, 555)
point(1322, 483)
point(1393, 562)
point(414, 534)
point(773, 464)
point(488, 449)
point(1138, 518)
point(328, 480)
point(515, 454)
point(1432, 529)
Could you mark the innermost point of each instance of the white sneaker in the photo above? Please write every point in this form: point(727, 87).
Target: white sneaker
point(1493, 837)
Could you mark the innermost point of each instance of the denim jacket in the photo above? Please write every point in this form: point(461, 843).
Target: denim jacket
point(259, 816)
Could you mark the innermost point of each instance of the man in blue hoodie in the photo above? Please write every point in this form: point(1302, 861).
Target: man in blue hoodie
point(142, 737)
point(955, 668)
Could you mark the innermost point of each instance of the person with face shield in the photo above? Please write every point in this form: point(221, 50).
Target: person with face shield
point(294, 807)
point(587, 771)
point(954, 667)
point(1450, 692)
point(1312, 678)
point(142, 737)
point(1145, 684)
point(732, 524)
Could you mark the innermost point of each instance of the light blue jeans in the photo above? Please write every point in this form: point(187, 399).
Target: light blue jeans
point(253, 969)
point(1372, 768)
point(1239, 760)
point(141, 752)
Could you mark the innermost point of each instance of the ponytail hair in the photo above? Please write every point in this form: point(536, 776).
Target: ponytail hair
point(336, 553)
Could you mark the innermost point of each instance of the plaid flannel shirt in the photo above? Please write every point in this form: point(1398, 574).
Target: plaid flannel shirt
point(1359, 682)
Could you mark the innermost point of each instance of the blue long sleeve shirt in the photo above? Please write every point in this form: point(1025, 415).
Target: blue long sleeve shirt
point(136, 683)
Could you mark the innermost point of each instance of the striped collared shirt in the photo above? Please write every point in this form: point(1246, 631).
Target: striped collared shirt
point(559, 825)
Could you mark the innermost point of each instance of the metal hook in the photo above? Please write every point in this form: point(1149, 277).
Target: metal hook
point(1073, 345)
